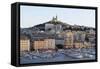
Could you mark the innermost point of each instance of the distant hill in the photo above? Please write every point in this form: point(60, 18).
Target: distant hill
point(55, 21)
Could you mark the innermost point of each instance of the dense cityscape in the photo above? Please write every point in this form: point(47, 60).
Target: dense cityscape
point(55, 40)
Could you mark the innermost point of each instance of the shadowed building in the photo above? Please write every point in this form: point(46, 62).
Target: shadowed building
point(54, 26)
point(79, 38)
point(59, 42)
point(49, 28)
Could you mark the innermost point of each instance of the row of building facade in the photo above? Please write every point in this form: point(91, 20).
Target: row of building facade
point(69, 40)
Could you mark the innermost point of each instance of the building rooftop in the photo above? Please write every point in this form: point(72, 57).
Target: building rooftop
point(24, 37)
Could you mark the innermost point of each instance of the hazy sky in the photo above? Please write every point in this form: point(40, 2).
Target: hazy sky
point(32, 15)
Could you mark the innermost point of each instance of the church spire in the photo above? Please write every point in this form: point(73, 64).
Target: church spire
point(56, 17)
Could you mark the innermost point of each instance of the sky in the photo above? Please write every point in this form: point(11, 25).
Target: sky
point(33, 15)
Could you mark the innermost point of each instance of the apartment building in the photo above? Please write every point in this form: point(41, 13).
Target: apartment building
point(44, 44)
point(24, 43)
point(69, 40)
